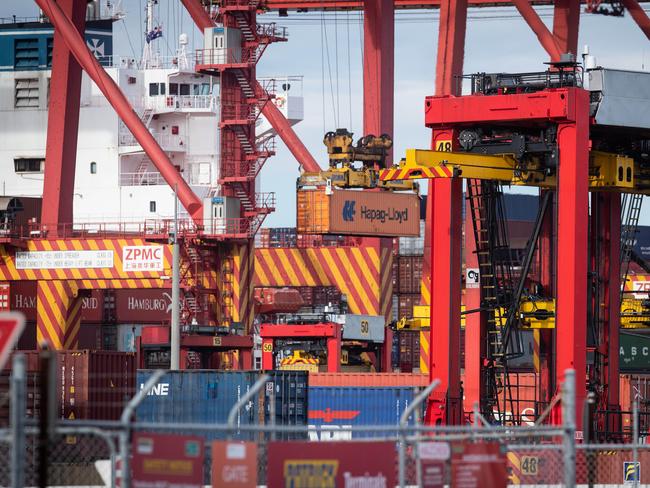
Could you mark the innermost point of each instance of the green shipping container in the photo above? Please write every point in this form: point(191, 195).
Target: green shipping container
point(634, 351)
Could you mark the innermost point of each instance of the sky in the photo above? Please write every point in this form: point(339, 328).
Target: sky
point(326, 49)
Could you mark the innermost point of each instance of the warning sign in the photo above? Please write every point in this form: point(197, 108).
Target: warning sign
point(142, 258)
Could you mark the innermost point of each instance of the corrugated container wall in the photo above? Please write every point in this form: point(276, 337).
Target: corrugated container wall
point(368, 379)
point(409, 274)
point(344, 407)
point(358, 213)
point(206, 396)
point(91, 385)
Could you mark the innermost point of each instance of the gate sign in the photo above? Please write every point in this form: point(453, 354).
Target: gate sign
point(11, 326)
point(479, 464)
point(433, 457)
point(167, 461)
point(234, 464)
point(331, 464)
point(142, 258)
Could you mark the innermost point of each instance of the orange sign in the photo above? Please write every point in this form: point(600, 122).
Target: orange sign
point(234, 464)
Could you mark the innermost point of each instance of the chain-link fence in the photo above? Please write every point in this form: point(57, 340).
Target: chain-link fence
point(127, 450)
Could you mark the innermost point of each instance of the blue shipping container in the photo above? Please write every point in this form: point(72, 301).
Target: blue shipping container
point(197, 396)
point(342, 407)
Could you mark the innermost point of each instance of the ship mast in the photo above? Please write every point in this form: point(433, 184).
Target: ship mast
point(150, 55)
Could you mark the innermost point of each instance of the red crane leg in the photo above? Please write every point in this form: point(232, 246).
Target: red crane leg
point(63, 123)
point(612, 265)
point(573, 214)
point(378, 67)
point(546, 277)
point(119, 102)
point(546, 39)
point(444, 228)
point(639, 15)
point(475, 325)
point(566, 21)
point(451, 46)
point(445, 405)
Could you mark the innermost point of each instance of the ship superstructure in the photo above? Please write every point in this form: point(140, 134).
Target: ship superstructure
point(115, 182)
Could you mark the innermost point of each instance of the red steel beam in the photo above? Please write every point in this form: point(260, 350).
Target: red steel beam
point(546, 38)
point(316, 5)
point(119, 102)
point(378, 67)
point(63, 124)
point(281, 125)
point(272, 113)
point(199, 15)
point(566, 21)
point(572, 231)
point(445, 237)
point(639, 15)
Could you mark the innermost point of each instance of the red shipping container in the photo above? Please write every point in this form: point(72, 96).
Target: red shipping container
point(406, 303)
point(143, 306)
point(370, 380)
point(23, 299)
point(278, 300)
point(307, 293)
point(91, 384)
point(410, 274)
point(409, 351)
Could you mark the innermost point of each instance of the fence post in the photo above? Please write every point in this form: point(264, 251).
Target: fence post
point(125, 420)
point(569, 421)
point(17, 389)
point(635, 437)
point(403, 424)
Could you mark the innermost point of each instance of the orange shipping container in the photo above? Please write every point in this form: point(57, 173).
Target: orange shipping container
point(370, 380)
point(376, 213)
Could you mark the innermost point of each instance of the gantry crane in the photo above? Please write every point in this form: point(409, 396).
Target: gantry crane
point(545, 139)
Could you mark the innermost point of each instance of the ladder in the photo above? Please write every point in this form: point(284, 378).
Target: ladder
point(496, 282)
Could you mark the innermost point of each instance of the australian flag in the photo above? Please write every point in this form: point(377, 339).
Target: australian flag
point(154, 34)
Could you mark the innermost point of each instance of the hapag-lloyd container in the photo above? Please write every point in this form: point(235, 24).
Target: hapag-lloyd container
point(340, 408)
point(376, 213)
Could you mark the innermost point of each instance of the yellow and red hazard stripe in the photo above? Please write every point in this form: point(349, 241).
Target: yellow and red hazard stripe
point(393, 174)
point(9, 272)
point(355, 271)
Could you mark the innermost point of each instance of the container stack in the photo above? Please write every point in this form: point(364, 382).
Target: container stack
point(407, 274)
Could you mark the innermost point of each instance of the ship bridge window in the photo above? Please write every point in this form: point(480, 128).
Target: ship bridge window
point(173, 88)
point(29, 165)
point(156, 89)
point(185, 89)
point(202, 89)
point(26, 93)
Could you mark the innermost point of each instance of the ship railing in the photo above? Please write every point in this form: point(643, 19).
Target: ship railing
point(168, 142)
point(147, 178)
point(180, 61)
point(287, 85)
point(223, 56)
point(180, 103)
point(271, 29)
